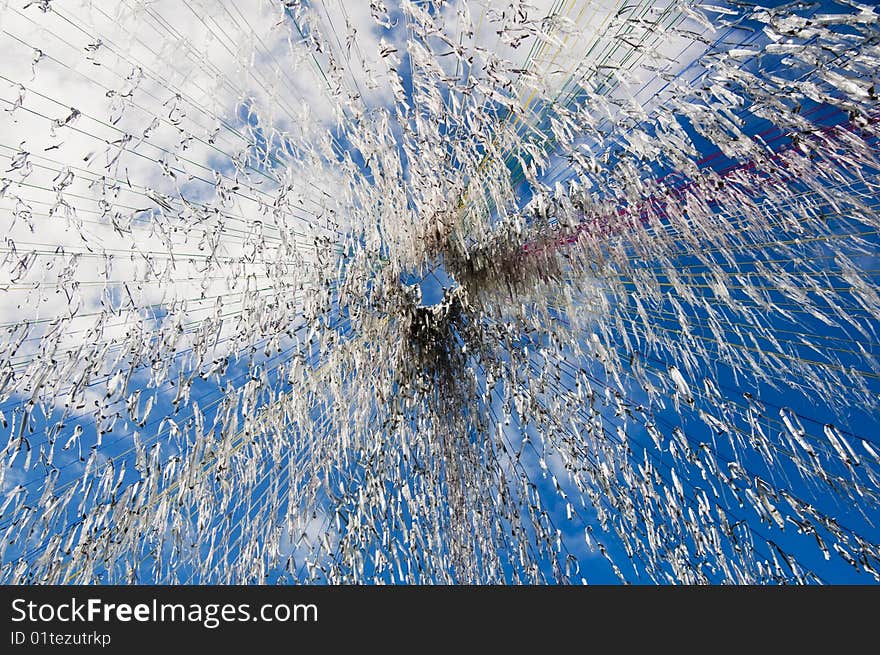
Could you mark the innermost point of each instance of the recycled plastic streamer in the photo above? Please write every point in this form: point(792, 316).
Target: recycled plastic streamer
point(439, 292)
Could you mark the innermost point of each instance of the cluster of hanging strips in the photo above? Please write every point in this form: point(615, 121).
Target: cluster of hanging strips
point(655, 226)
